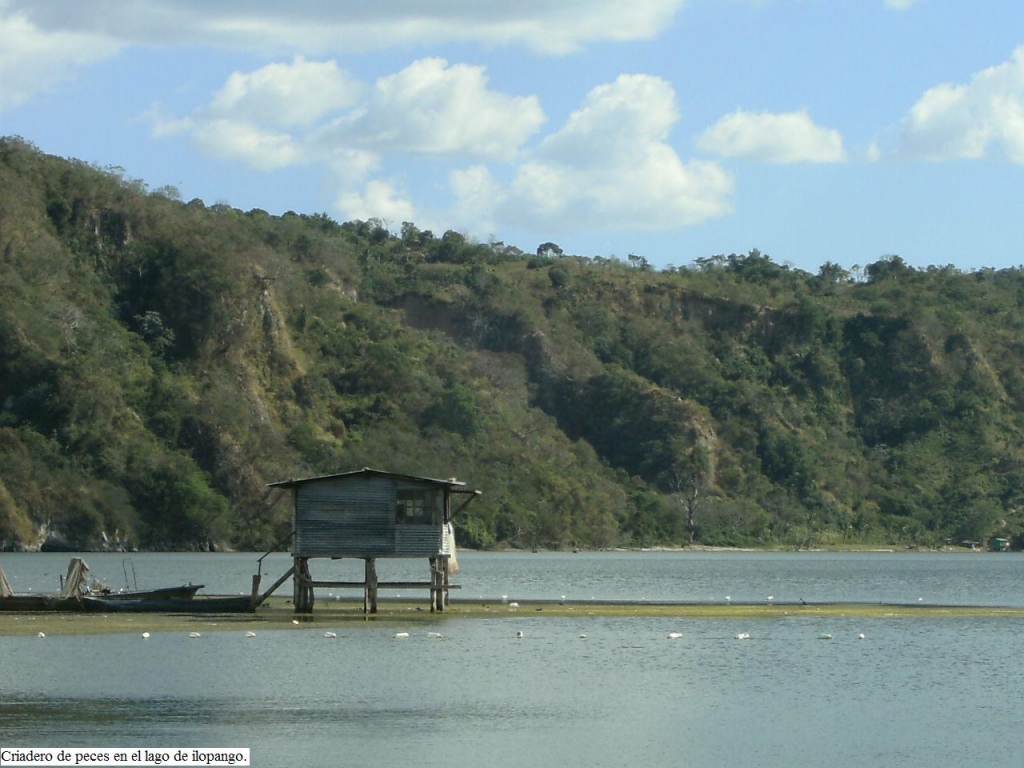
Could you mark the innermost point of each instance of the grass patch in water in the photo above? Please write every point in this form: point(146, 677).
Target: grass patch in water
point(278, 614)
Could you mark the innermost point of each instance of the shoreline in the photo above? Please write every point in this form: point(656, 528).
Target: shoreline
point(682, 548)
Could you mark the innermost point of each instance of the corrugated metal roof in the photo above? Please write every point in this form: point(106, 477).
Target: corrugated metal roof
point(451, 482)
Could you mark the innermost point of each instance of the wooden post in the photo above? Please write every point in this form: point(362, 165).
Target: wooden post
point(370, 590)
point(254, 596)
point(433, 584)
point(303, 591)
point(447, 580)
point(436, 585)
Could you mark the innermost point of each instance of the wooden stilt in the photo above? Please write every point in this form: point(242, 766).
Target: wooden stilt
point(446, 579)
point(433, 584)
point(254, 596)
point(304, 586)
point(370, 590)
point(303, 591)
point(436, 585)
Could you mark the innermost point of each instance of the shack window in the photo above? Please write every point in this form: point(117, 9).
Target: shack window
point(415, 506)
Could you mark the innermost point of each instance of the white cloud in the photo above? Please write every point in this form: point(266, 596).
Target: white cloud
point(164, 128)
point(617, 119)
point(900, 5)
point(258, 148)
point(352, 166)
point(34, 60)
point(44, 43)
point(609, 166)
point(788, 137)
point(315, 27)
point(378, 199)
point(433, 108)
point(285, 114)
point(164, 125)
point(479, 196)
point(286, 95)
point(969, 120)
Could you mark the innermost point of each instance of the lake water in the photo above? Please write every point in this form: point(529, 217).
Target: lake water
point(914, 692)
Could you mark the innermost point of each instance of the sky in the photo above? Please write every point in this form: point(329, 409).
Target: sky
point(815, 131)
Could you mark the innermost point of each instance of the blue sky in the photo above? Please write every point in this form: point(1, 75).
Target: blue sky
point(813, 130)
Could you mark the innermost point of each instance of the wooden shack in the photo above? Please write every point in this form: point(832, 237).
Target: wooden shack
point(370, 514)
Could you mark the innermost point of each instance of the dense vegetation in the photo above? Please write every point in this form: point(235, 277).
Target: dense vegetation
point(162, 361)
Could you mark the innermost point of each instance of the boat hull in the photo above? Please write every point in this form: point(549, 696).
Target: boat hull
point(211, 604)
point(35, 603)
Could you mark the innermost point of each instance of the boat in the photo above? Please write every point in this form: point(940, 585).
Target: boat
point(184, 592)
point(76, 596)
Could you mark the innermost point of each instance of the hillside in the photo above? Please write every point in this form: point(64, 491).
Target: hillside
point(161, 361)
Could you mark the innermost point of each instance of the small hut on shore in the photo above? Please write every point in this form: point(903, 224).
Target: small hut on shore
point(370, 514)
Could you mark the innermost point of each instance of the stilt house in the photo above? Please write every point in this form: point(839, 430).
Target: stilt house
point(368, 514)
